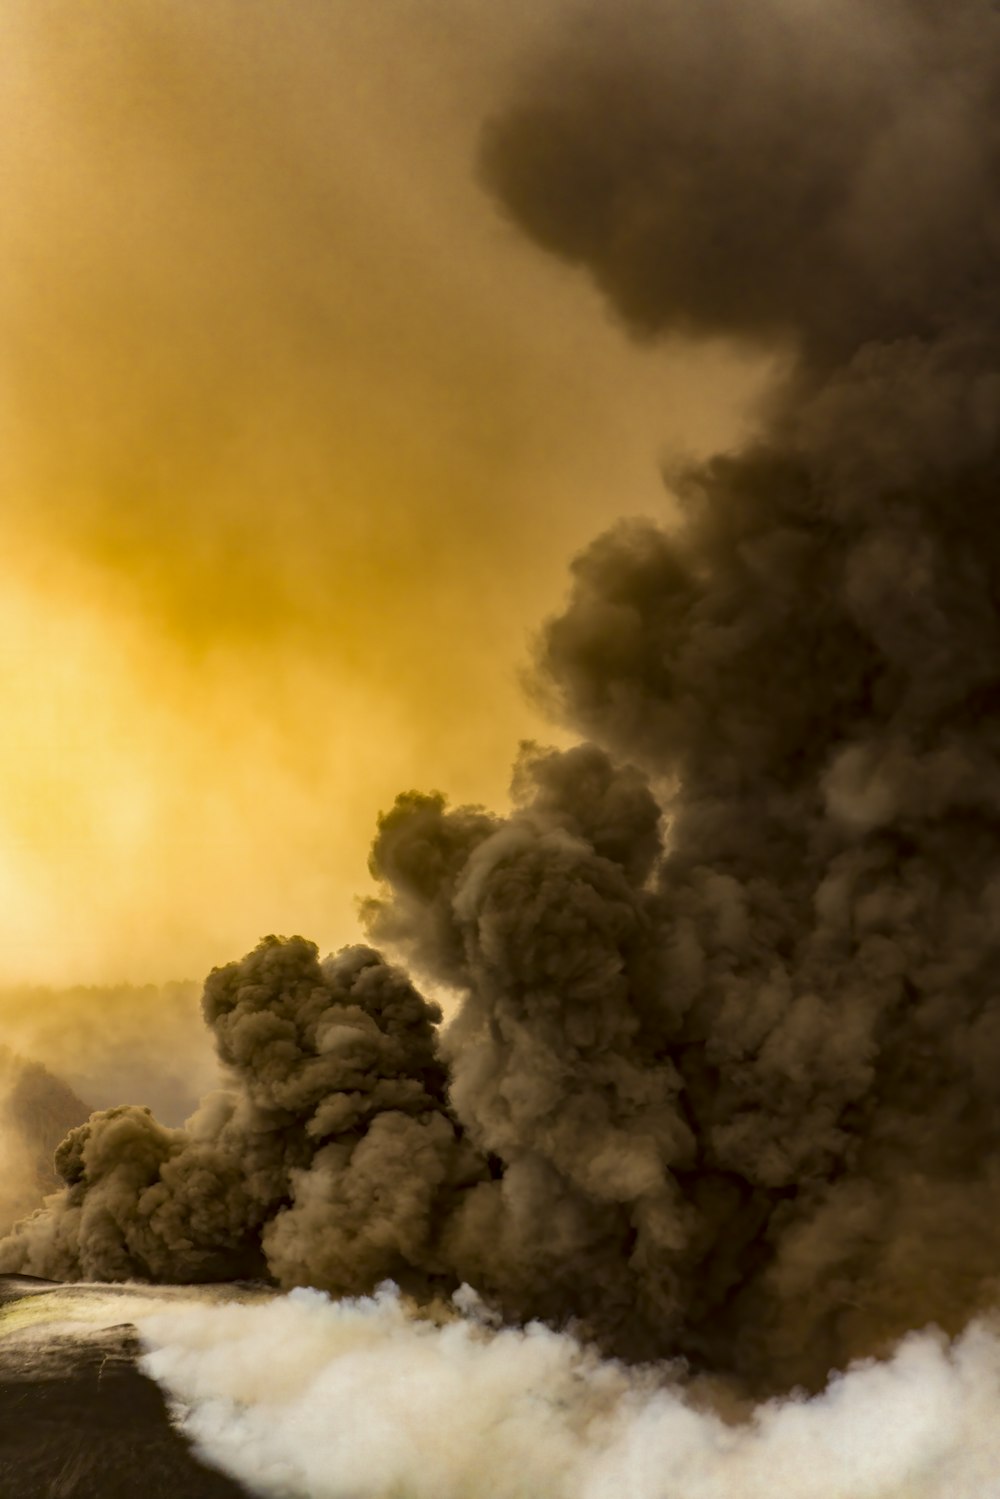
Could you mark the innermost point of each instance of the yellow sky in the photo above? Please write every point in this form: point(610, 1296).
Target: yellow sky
point(298, 436)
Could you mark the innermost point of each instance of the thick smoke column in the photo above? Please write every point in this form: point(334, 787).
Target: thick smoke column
point(812, 656)
point(753, 1096)
point(723, 1080)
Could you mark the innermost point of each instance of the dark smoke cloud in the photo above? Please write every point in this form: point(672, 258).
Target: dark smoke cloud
point(323, 1161)
point(723, 1080)
point(820, 173)
point(811, 657)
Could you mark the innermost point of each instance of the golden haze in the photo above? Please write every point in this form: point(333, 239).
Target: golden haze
point(298, 437)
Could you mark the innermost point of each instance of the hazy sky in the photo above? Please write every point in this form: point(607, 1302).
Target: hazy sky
point(298, 437)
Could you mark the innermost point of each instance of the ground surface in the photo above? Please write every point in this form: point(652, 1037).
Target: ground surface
point(78, 1420)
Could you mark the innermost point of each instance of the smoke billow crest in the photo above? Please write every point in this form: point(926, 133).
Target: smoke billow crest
point(324, 1158)
point(723, 1080)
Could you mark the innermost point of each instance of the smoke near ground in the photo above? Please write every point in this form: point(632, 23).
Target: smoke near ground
point(299, 1397)
point(722, 1083)
point(306, 1399)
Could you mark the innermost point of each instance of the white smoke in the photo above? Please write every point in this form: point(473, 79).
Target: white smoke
point(301, 1397)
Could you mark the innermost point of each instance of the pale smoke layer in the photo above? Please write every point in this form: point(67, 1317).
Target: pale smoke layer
point(306, 1399)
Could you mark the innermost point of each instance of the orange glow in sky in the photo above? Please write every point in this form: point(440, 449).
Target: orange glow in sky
point(298, 438)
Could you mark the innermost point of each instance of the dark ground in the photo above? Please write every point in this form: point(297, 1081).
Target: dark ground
point(78, 1420)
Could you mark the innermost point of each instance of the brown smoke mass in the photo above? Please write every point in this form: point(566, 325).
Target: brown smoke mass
point(723, 1081)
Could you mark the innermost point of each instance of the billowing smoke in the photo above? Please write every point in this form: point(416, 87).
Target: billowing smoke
point(304, 1399)
point(322, 1162)
point(807, 665)
point(723, 1079)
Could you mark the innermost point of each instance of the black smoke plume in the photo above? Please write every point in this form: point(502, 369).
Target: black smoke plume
point(723, 1083)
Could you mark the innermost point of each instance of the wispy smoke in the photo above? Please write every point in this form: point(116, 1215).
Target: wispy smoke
point(36, 1110)
point(139, 1042)
point(722, 1084)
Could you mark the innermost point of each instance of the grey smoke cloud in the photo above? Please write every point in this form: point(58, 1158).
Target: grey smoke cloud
point(722, 1080)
